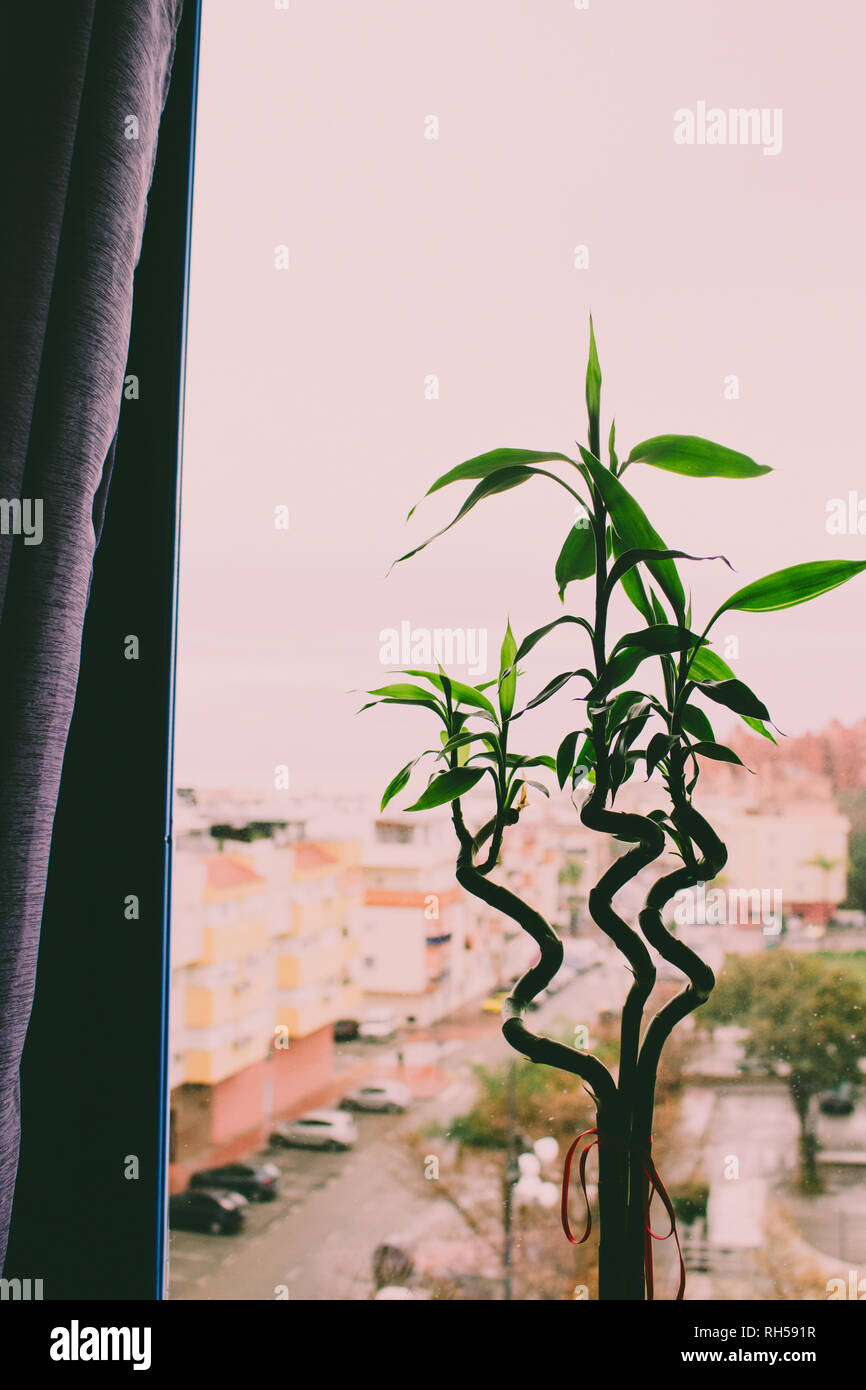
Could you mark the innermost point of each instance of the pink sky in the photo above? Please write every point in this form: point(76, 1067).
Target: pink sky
point(454, 257)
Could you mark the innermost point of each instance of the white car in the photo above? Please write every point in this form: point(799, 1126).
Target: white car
point(318, 1129)
point(379, 1028)
point(389, 1097)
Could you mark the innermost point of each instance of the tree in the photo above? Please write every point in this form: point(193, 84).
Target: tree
point(804, 1012)
point(822, 862)
point(856, 894)
point(613, 545)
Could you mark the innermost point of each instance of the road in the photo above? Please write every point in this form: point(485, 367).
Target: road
point(316, 1241)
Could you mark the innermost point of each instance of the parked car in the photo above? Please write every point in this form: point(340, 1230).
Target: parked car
point(389, 1097)
point(319, 1129)
point(346, 1030)
point(198, 1210)
point(256, 1182)
point(752, 1066)
point(837, 1102)
point(378, 1028)
point(493, 1003)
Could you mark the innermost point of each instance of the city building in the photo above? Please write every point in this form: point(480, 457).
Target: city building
point(263, 945)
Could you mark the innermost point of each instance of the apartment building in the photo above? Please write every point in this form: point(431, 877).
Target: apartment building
point(412, 921)
point(264, 940)
point(428, 946)
point(783, 833)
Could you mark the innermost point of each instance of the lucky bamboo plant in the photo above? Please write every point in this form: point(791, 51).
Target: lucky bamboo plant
point(614, 545)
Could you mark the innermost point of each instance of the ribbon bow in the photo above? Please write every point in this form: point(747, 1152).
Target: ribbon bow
point(652, 1185)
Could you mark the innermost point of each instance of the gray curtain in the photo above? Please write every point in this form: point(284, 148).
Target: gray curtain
point(82, 89)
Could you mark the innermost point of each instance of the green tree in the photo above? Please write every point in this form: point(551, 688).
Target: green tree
point(853, 805)
point(856, 894)
point(571, 872)
point(805, 1012)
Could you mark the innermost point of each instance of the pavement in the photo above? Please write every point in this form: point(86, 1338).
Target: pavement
point(317, 1240)
point(737, 1134)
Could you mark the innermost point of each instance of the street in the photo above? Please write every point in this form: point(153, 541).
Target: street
point(318, 1238)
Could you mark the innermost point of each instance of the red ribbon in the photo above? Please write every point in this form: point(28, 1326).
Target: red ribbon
point(652, 1185)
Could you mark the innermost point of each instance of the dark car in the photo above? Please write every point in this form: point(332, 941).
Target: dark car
point(345, 1030)
point(838, 1102)
point(256, 1182)
point(217, 1212)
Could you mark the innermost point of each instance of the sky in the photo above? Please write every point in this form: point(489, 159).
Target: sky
point(409, 258)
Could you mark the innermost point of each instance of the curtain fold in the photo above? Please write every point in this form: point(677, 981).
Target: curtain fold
point(82, 88)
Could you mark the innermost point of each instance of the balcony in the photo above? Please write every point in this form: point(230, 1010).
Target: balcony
point(234, 940)
point(301, 1019)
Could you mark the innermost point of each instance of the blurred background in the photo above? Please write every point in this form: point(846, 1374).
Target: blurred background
point(403, 216)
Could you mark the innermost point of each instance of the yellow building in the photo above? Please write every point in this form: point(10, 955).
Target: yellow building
point(318, 941)
point(264, 937)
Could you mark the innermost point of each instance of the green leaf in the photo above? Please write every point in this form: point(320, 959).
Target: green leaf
point(619, 667)
point(616, 772)
point(536, 786)
point(735, 696)
point(629, 704)
point(634, 529)
point(708, 665)
point(460, 741)
point(459, 744)
point(507, 673)
point(515, 760)
point(485, 465)
point(611, 449)
point(576, 559)
point(411, 694)
point(661, 637)
point(448, 786)
point(633, 725)
point(658, 611)
point(529, 642)
point(565, 757)
point(593, 390)
point(631, 580)
point(694, 721)
point(659, 747)
point(621, 767)
point(463, 694)
point(501, 481)
point(586, 758)
point(718, 751)
point(552, 687)
point(696, 457)
point(397, 783)
point(624, 661)
point(627, 559)
point(788, 587)
point(427, 702)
